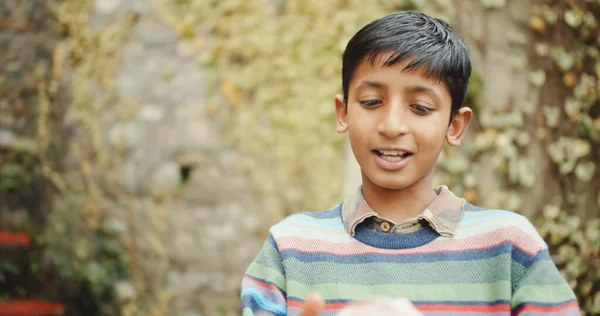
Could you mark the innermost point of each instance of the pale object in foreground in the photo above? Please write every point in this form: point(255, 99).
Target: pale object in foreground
point(314, 305)
point(381, 306)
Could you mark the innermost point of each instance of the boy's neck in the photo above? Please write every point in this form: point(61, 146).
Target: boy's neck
point(399, 204)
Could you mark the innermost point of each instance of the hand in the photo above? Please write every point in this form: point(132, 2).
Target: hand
point(381, 306)
point(313, 305)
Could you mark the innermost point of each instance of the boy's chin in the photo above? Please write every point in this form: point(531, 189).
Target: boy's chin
point(390, 182)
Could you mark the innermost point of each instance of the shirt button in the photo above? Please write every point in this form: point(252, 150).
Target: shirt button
point(385, 227)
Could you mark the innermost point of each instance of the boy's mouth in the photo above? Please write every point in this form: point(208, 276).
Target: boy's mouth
point(392, 155)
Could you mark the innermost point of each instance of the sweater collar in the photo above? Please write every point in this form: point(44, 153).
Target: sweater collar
point(443, 214)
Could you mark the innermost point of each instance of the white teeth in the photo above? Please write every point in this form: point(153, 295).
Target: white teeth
point(392, 158)
point(392, 153)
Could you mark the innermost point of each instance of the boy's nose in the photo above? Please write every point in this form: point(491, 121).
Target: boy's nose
point(393, 124)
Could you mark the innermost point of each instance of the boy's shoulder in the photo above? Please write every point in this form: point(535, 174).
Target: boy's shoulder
point(305, 222)
point(517, 228)
point(482, 215)
point(493, 225)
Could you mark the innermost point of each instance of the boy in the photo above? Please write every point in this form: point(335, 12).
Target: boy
point(404, 79)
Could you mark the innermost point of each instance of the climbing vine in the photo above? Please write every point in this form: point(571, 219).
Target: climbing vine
point(277, 68)
point(568, 48)
point(86, 264)
point(88, 255)
point(567, 53)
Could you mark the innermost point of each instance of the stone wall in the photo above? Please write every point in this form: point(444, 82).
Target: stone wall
point(207, 231)
point(184, 212)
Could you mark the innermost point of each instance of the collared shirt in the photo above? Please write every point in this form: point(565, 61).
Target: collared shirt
point(442, 215)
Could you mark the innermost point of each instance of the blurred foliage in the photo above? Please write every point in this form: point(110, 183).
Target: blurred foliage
point(277, 67)
point(575, 248)
point(95, 255)
point(7, 268)
point(13, 176)
point(568, 48)
point(73, 258)
point(20, 160)
point(86, 263)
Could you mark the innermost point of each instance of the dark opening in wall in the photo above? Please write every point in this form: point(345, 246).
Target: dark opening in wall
point(185, 172)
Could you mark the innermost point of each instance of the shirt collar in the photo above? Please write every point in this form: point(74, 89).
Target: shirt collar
point(443, 214)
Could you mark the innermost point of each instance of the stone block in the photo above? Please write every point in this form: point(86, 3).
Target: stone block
point(125, 291)
point(151, 113)
point(166, 177)
point(205, 185)
point(126, 135)
point(154, 33)
point(7, 139)
point(107, 7)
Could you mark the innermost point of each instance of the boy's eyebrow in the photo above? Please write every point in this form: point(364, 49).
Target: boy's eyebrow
point(373, 84)
point(421, 89)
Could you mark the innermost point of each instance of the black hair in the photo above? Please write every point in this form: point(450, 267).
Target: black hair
point(427, 41)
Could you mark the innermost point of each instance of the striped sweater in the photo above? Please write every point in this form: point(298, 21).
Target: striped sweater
point(495, 264)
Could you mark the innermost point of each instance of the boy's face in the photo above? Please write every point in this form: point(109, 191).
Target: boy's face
point(397, 122)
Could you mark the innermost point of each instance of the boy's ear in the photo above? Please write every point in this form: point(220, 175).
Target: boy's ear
point(341, 112)
point(459, 126)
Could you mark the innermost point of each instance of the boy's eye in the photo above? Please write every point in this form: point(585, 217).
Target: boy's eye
point(370, 102)
point(420, 109)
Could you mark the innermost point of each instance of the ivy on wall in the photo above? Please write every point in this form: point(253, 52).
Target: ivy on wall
point(567, 52)
point(80, 257)
point(568, 48)
point(79, 249)
point(277, 68)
